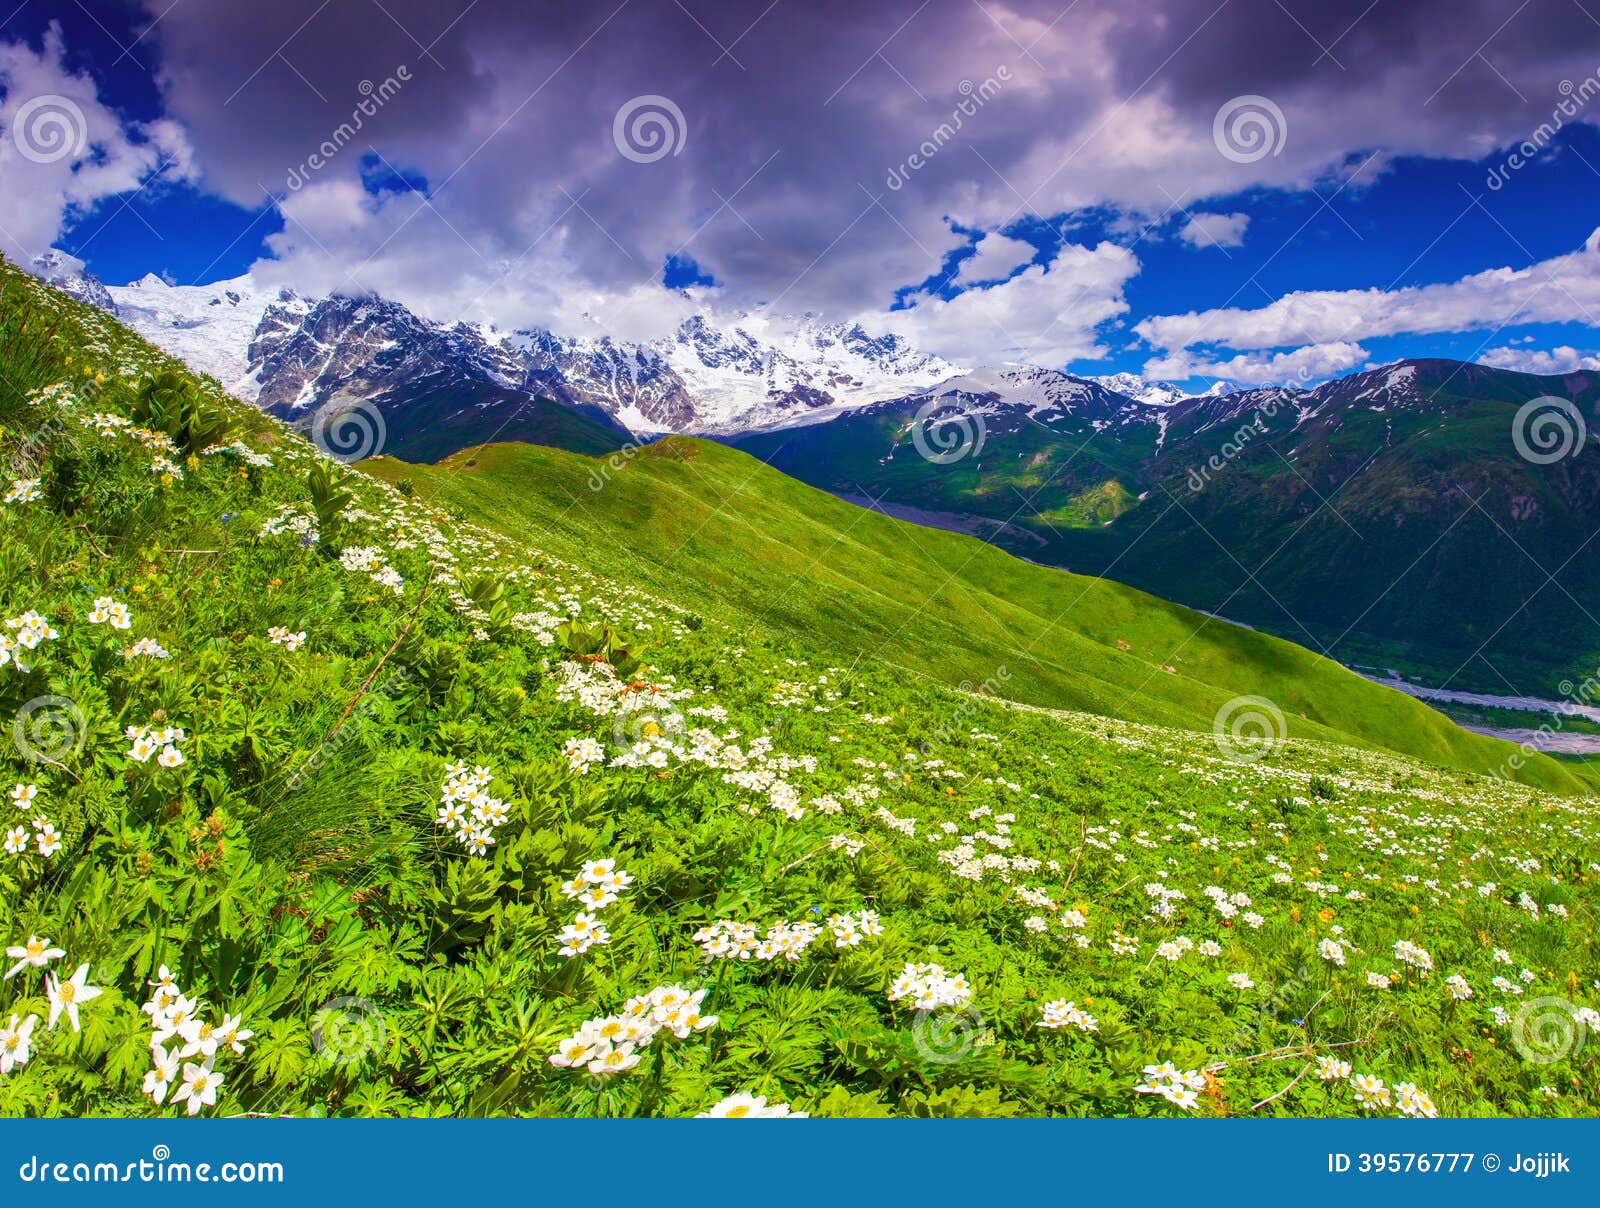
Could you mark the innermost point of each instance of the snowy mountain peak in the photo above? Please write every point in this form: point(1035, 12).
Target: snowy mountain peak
point(1154, 394)
point(68, 274)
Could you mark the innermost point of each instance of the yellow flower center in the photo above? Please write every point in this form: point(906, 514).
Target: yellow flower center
point(735, 1113)
point(67, 991)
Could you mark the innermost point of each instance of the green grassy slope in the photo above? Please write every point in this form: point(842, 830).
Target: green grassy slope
point(358, 778)
point(713, 528)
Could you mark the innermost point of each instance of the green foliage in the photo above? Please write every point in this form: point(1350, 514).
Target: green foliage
point(286, 868)
point(167, 401)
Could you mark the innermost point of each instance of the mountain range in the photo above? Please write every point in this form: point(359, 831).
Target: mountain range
point(1405, 516)
point(1386, 518)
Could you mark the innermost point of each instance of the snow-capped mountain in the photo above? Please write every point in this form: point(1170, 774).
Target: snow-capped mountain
point(1154, 394)
point(208, 327)
point(289, 353)
point(68, 274)
point(1047, 395)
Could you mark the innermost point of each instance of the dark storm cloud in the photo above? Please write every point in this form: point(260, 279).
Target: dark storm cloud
point(795, 114)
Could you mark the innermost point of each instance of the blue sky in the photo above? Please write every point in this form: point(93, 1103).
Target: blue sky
point(773, 205)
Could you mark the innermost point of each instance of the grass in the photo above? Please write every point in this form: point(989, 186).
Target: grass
point(723, 533)
point(344, 769)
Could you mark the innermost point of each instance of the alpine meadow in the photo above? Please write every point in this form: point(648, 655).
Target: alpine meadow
point(1049, 575)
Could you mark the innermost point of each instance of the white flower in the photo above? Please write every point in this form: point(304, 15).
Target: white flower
point(928, 987)
point(1371, 1093)
point(22, 795)
point(582, 754)
point(110, 611)
point(200, 1086)
point(1241, 981)
point(69, 995)
point(36, 953)
point(24, 490)
point(749, 1107)
point(17, 840)
point(614, 1059)
point(231, 1035)
point(1414, 1102)
point(16, 1043)
point(1331, 1069)
point(1060, 1014)
point(146, 648)
point(48, 841)
point(281, 636)
point(581, 934)
point(159, 1079)
point(1331, 950)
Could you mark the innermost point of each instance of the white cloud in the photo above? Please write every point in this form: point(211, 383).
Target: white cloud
point(997, 257)
point(63, 152)
point(1298, 366)
point(1561, 359)
point(1215, 230)
point(1048, 315)
point(1563, 289)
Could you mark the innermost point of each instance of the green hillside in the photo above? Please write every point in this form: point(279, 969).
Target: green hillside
point(327, 801)
point(1385, 526)
point(717, 530)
